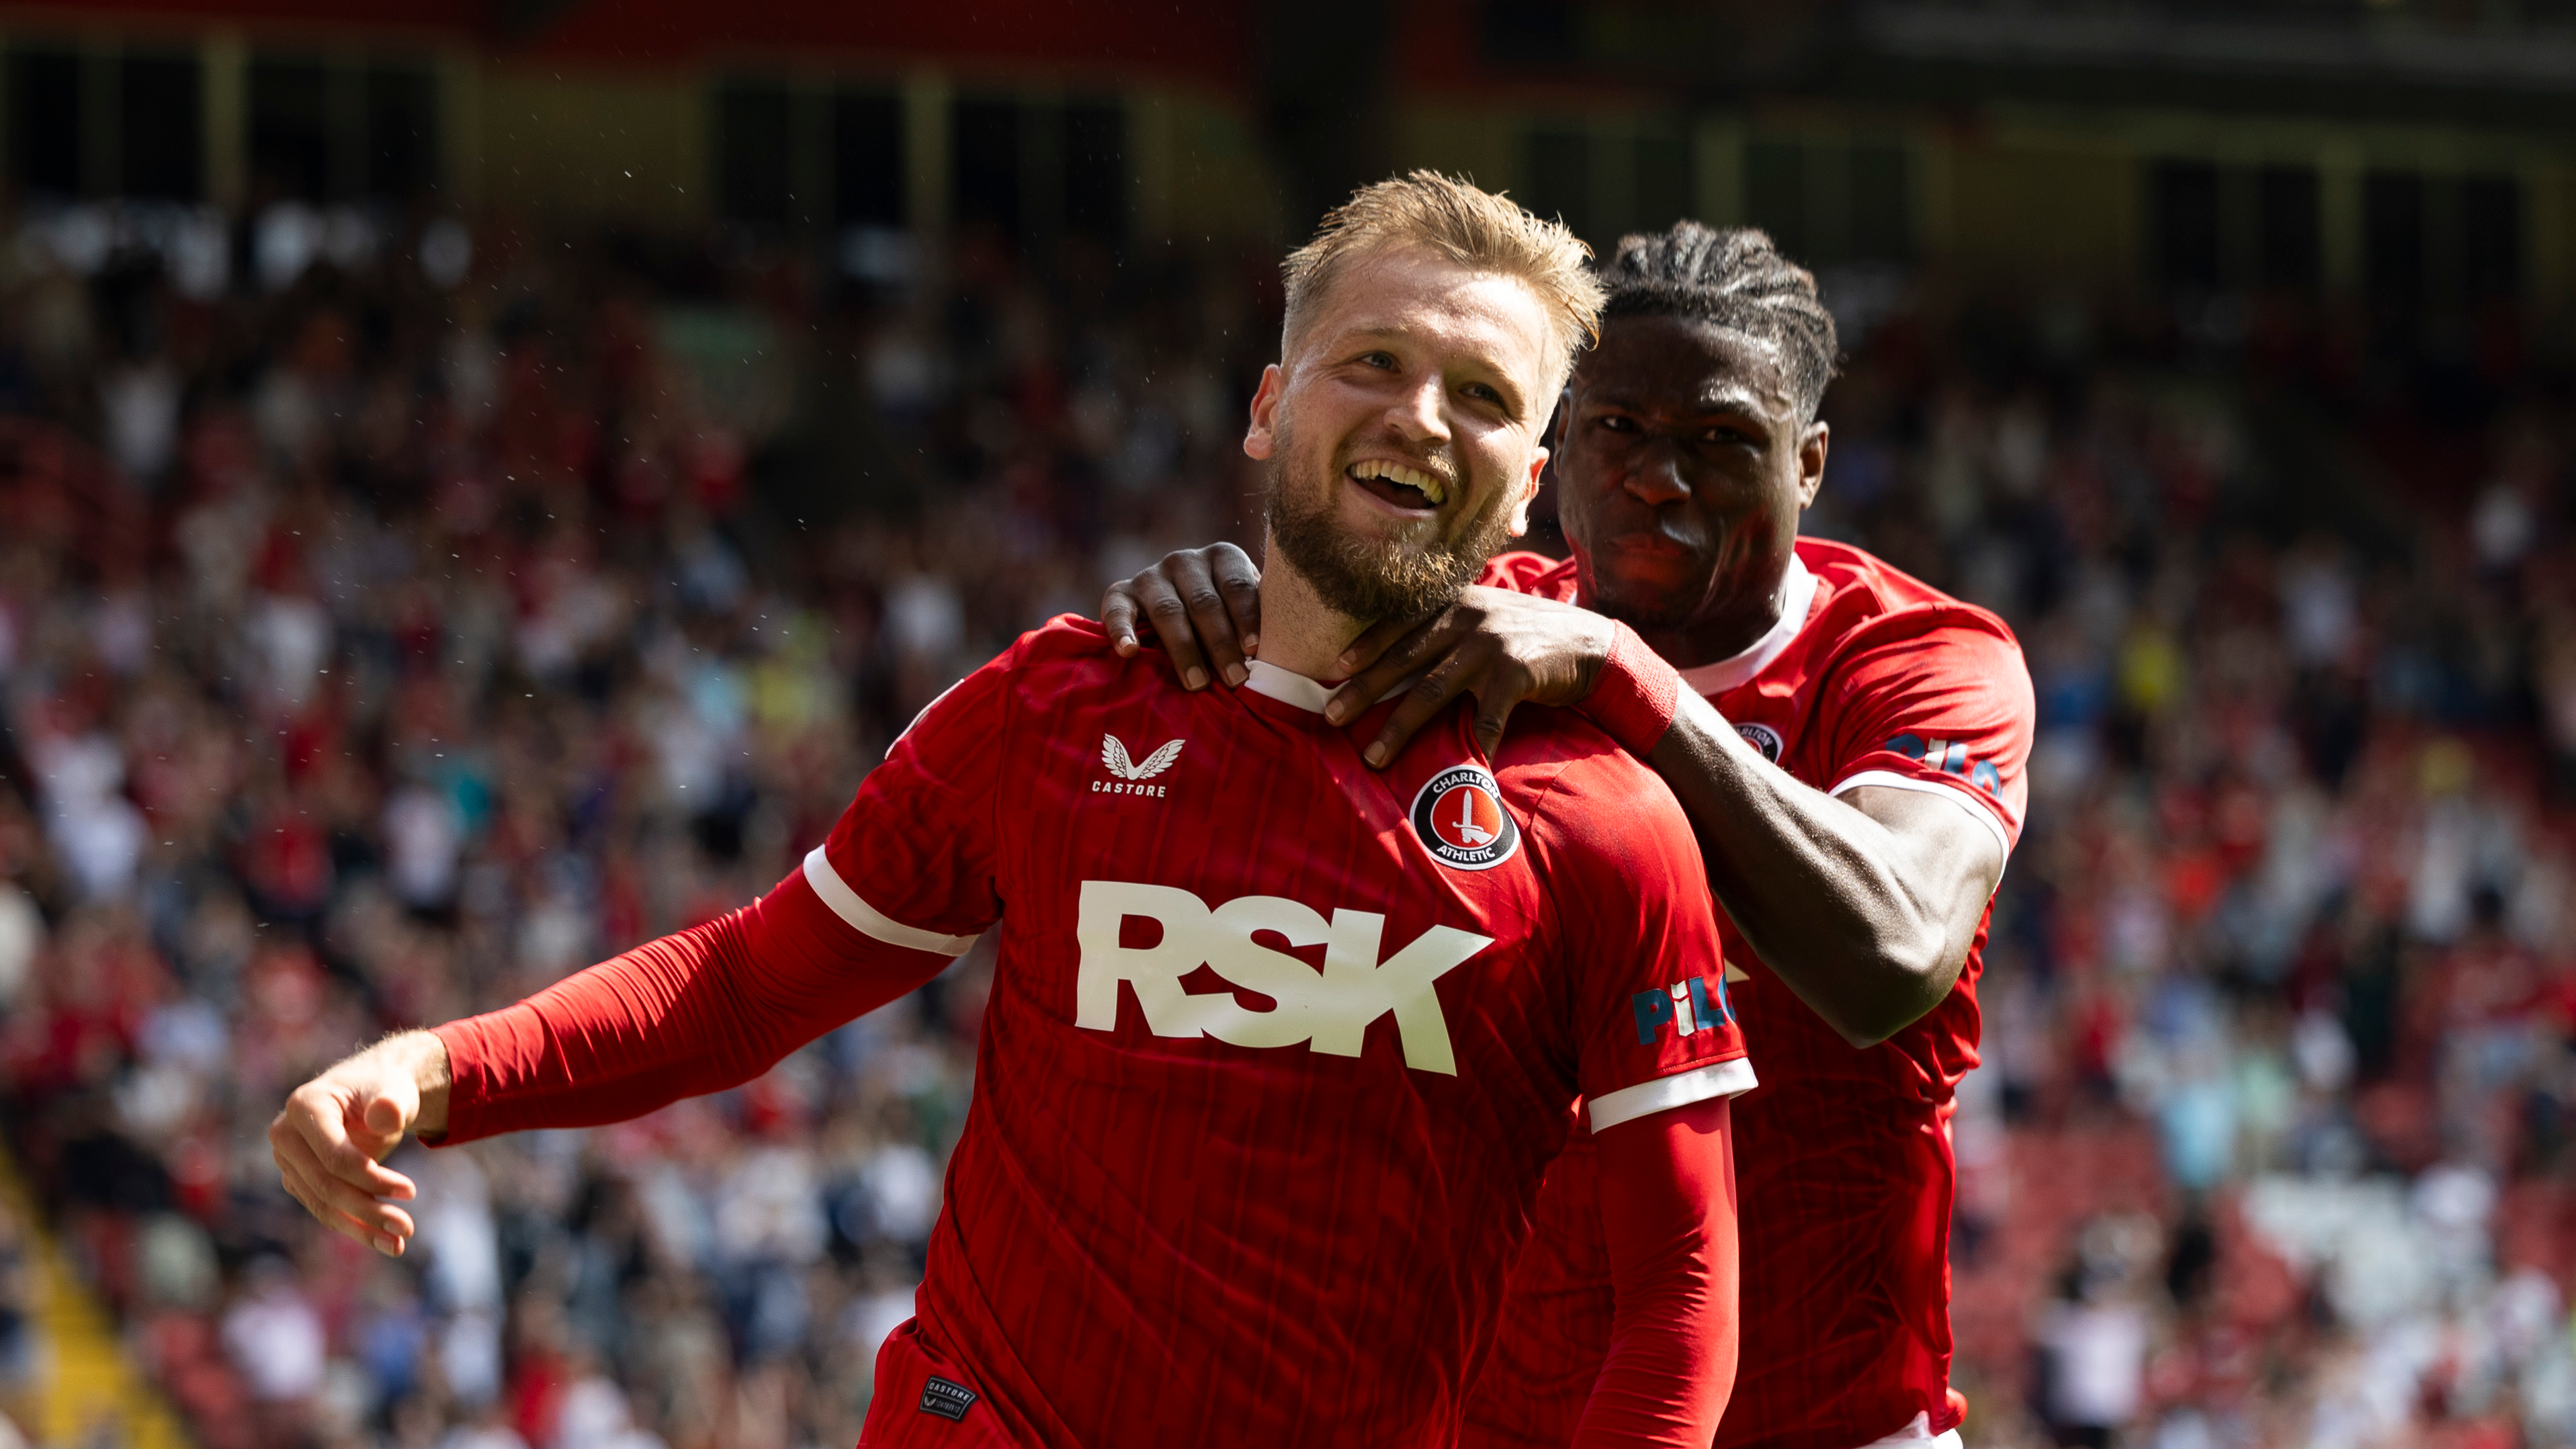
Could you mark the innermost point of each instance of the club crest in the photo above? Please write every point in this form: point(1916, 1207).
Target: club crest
point(1459, 818)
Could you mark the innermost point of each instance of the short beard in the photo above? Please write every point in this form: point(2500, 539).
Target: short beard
point(1370, 581)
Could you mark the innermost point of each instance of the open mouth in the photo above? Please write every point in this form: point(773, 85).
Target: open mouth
point(1405, 487)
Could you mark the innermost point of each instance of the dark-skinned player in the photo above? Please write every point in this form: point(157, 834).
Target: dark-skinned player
point(1849, 744)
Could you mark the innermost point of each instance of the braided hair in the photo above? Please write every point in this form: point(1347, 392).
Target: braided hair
point(1737, 279)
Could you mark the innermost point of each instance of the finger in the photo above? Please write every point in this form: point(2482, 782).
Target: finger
point(297, 1162)
point(318, 1120)
point(1396, 652)
point(1211, 617)
point(1171, 620)
point(1240, 581)
point(1375, 641)
point(1492, 710)
point(1118, 618)
point(389, 1114)
point(325, 1195)
point(384, 1240)
point(1421, 704)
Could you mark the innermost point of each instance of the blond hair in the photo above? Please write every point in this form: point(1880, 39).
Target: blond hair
point(1480, 230)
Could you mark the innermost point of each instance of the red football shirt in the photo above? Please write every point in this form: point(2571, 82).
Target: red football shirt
point(1843, 1157)
point(1278, 1047)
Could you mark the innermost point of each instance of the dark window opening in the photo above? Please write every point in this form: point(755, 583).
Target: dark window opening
point(867, 160)
point(2490, 237)
point(1560, 178)
point(402, 132)
point(1775, 193)
point(753, 154)
point(2183, 205)
point(1663, 184)
point(44, 122)
point(1095, 171)
point(290, 130)
point(2392, 234)
point(161, 149)
point(2288, 245)
point(984, 141)
point(1882, 205)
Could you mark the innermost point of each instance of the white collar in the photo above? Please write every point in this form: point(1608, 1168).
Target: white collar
point(1286, 686)
point(1289, 687)
point(1797, 596)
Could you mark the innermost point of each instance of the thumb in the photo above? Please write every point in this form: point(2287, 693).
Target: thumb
point(390, 1110)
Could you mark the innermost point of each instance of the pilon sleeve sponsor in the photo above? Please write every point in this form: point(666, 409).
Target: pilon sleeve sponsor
point(1950, 757)
point(1691, 1005)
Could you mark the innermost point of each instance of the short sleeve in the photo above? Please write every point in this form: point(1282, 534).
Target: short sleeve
point(1656, 1029)
point(911, 861)
point(1939, 702)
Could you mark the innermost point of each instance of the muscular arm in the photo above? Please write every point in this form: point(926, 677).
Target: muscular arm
point(1668, 1215)
point(1865, 903)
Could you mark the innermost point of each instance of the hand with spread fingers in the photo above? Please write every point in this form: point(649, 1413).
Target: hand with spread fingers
point(1501, 647)
point(1205, 606)
point(332, 1137)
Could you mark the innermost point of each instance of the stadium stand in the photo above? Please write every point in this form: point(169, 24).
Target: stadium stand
point(381, 645)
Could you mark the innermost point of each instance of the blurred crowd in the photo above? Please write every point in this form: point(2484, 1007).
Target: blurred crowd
point(392, 626)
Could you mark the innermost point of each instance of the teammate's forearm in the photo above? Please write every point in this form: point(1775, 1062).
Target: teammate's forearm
point(1667, 1184)
point(706, 1009)
point(1819, 889)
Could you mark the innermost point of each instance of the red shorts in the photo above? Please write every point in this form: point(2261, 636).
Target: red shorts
point(923, 1401)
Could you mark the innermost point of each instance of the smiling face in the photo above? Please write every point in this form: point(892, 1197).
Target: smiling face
point(1402, 430)
point(1683, 462)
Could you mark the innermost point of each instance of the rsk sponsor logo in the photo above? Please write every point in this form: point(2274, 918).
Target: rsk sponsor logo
point(1330, 1011)
point(1458, 816)
point(1692, 1004)
point(1131, 774)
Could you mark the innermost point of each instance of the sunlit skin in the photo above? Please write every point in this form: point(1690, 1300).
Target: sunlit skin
point(1413, 360)
point(1683, 464)
point(1682, 503)
point(1406, 359)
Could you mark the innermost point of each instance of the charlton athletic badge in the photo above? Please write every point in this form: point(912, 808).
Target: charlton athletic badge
point(1459, 817)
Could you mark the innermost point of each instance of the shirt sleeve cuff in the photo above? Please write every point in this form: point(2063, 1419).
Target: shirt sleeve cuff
point(1730, 1078)
point(1636, 696)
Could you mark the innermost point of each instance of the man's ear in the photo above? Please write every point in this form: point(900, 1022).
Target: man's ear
point(1519, 518)
point(1811, 462)
point(1261, 438)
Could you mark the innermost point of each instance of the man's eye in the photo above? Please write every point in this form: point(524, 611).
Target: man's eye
point(1481, 392)
point(1619, 424)
point(1384, 360)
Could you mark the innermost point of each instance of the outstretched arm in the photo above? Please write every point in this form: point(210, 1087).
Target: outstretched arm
point(1668, 1216)
point(697, 1012)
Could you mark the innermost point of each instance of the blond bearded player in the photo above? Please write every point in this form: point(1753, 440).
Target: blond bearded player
point(1280, 1045)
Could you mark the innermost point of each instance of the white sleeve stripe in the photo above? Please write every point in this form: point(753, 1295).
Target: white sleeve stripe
point(1965, 794)
point(867, 919)
point(1717, 1079)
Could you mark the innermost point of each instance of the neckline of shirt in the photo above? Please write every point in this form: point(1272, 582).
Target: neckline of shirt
point(1287, 686)
point(1291, 688)
point(1797, 596)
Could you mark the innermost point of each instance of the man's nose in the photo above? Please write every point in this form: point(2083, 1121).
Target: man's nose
point(1419, 412)
point(1657, 479)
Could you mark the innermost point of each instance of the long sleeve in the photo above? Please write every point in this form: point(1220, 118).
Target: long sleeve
point(902, 886)
point(706, 1009)
point(1668, 1215)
